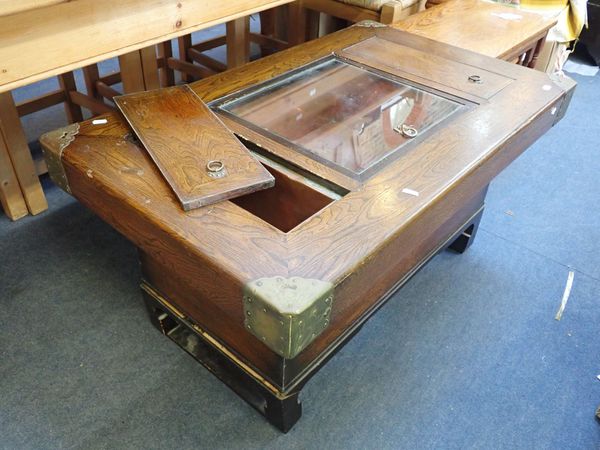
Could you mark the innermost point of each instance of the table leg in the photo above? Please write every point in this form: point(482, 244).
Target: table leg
point(11, 197)
point(20, 155)
point(281, 410)
point(536, 52)
point(466, 238)
point(139, 70)
point(238, 42)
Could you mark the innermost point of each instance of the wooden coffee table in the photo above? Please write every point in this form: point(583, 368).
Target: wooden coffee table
point(382, 145)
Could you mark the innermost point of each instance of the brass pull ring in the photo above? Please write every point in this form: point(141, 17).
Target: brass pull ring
point(215, 166)
point(216, 169)
point(407, 131)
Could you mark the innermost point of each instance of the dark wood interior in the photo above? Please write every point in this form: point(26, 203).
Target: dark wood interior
point(287, 204)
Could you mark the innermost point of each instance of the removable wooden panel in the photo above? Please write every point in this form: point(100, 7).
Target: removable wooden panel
point(404, 61)
point(182, 136)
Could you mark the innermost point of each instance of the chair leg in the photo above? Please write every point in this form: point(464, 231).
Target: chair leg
point(167, 75)
point(297, 23)
point(267, 28)
point(91, 76)
point(67, 85)
point(185, 43)
point(238, 42)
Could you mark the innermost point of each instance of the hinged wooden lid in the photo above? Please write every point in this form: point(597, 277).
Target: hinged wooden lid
point(198, 156)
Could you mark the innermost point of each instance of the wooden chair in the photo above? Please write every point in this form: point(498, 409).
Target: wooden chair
point(193, 62)
point(140, 70)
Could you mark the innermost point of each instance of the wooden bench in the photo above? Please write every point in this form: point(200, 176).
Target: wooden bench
point(56, 44)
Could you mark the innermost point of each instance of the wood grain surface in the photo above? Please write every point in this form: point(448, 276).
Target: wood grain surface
point(363, 243)
point(484, 27)
point(182, 136)
point(42, 38)
point(429, 69)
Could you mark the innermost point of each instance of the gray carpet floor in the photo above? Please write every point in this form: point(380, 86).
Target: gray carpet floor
point(467, 355)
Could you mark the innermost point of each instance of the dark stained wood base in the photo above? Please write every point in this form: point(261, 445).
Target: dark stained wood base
point(282, 410)
point(466, 238)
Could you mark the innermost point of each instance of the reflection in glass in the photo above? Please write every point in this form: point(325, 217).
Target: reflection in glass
point(342, 114)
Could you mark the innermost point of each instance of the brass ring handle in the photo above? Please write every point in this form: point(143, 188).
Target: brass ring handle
point(407, 131)
point(215, 166)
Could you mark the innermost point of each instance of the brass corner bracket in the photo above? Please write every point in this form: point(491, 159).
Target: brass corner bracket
point(53, 155)
point(287, 314)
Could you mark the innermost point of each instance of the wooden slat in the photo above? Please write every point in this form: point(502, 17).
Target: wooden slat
point(41, 102)
point(182, 135)
point(106, 91)
point(188, 69)
point(111, 78)
point(268, 42)
point(206, 61)
point(209, 44)
point(20, 155)
point(40, 43)
point(41, 168)
point(94, 105)
point(91, 75)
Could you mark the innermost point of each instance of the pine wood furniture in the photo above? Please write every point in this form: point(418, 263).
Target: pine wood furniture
point(38, 39)
point(382, 145)
point(484, 27)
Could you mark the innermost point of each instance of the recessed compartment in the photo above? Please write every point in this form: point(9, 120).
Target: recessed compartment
point(294, 198)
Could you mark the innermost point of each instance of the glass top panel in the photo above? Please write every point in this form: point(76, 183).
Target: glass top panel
point(341, 114)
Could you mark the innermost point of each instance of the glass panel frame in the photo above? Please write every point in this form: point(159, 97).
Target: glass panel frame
point(375, 164)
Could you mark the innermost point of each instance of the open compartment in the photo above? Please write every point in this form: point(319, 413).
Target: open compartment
point(294, 198)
